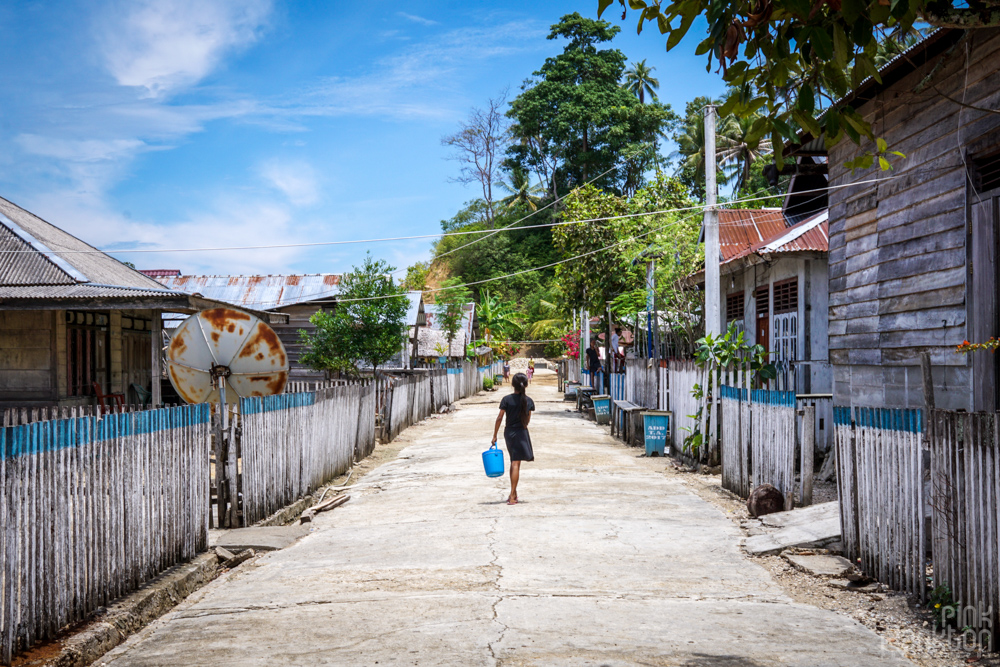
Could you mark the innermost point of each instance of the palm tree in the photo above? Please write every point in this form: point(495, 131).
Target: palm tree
point(497, 318)
point(734, 153)
point(639, 81)
point(521, 190)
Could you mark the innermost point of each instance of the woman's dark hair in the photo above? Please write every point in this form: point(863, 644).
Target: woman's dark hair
point(520, 382)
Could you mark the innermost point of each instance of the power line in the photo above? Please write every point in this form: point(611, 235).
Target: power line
point(552, 203)
point(699, 207)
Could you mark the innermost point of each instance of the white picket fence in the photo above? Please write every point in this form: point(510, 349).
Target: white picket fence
point(289, 444)
point(684, 375)
point(91, 509)
point(880, 479)
point(758, 440)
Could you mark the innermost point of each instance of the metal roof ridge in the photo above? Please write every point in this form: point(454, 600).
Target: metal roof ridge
point(44, 250)
point(796, 231)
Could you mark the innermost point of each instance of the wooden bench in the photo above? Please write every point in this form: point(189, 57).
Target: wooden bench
point(626, 421)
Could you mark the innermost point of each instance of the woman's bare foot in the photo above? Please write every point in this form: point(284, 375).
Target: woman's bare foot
point(512, 500)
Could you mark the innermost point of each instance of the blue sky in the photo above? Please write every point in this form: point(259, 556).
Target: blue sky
point(194, 123)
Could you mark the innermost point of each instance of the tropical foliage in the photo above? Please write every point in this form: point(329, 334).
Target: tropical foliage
point(368, 326)
point(791, 60)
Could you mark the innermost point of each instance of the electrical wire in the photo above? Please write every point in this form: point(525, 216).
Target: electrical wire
point(699, 207)
point(535, 212)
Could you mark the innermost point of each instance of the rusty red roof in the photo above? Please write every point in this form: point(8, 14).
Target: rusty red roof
point(742, 228)
point(745, 232)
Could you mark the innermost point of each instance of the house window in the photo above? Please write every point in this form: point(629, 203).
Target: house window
point(786, 296)
point(87, 352)
point(762, 303)
point(734, 310)
point(986, 173)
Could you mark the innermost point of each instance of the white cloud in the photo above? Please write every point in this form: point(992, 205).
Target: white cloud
point(425, 80)
point(416, 19)
point(296, 180)
point(162, 45)
point(83, 150)
point(225, 222)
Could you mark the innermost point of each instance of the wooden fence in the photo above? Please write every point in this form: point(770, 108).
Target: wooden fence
point(684, 375)
point(290, 444)
point(93, 508)
point(758, 440)
point(880, 479)
point(642, 382)
point(965, 514)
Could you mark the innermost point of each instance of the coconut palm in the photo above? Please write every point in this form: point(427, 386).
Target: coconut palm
point(521, 190)
point(639, 81)
point(734, 153)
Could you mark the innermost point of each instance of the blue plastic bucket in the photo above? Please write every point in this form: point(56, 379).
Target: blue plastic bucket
point(493, 461)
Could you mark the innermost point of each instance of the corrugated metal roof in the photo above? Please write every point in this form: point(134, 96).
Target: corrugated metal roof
point(83, 262)
point(157, 273)
point(812, 234)
point(742, 229)
point(258, 292)
point(809, 235)
point(20, 266)
point(749, 232)
point(78, 291)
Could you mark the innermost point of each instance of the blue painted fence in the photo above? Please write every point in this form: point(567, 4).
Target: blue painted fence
point(758, 440)
point(880, 475)
point(92, 508)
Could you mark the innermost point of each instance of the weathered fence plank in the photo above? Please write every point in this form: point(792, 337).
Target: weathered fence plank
point(92, 508)
point(880, 475)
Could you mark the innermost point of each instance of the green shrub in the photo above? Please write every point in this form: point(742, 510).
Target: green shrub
point(488, 383)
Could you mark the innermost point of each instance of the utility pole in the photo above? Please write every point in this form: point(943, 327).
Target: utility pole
point(650, 291)
point(713, 297)
point(608, 353)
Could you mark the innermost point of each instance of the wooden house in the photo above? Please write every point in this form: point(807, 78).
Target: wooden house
point(73, 319)
point(913, 251)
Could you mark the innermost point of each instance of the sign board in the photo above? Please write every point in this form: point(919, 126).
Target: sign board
point(656, 431)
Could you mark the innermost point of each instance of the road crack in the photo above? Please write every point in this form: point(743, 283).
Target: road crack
point(498, 572)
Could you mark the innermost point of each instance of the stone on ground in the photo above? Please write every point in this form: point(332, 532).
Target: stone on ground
point(820, 565)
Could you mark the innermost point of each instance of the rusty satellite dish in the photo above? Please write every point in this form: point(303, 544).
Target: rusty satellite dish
point(222, 355)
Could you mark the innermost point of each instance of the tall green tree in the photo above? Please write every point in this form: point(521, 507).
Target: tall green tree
point(605, 270)
point(639, 81)
point(367, 327)
point(522, 191)
point(690, 139)
point(452, 299)
point(825, 47)
point(737, 153)
point(574, 122)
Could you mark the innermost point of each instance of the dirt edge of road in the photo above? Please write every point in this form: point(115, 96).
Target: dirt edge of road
point(893, 615)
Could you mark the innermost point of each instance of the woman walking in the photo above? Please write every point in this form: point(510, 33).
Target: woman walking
point(518, 408)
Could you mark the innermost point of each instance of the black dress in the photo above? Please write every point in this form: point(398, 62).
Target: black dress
point(514, 433)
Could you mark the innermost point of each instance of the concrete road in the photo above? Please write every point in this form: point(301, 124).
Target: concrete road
point(605, 562)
